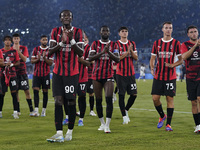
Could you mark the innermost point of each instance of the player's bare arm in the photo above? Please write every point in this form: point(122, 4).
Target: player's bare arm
point(48, 61)
point(177, 63)
point(78, 48)
point(20, 53)
point(94, 56)
point(152, 63)
point(84, 62)
point(125, 54)
point(35, 60)
point(114, 56)
point(187, 54)
point(13, 64)
point(2, 63)
point(133, 53)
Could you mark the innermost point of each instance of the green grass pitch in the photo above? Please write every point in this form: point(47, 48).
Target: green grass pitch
point(30, 133)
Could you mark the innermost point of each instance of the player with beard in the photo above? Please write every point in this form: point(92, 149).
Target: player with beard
point(41, 77)
point(67, 44)
point(22, 78)
point(104, 52)
point(191, 55)
point(164, 83)
point(8, 74)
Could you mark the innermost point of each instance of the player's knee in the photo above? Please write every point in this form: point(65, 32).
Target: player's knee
point(58, 100)
point(198, 99)
point(194, 103)
point(72, 102)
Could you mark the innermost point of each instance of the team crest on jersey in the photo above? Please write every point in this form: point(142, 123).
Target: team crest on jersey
point(7, 59)
point(171, 46)
point(195, 54)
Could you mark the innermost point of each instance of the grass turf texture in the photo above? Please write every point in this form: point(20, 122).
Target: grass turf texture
point(30, 133)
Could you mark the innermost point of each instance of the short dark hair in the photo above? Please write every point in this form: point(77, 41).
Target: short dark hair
point(16, 35)
point(191, 27)
point(104, 26)
point(43, 36)
point(122, 28)
point(7, 37)
point(166, 22)
point(65, 10)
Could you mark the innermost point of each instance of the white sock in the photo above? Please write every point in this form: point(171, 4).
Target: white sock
point(43, 109)
point(108, 122)
point(102, 121)
point(69, 131)
point(60, 132)
point(81, 119)
point(66, 116)
point(36, 109)
point(15, 112)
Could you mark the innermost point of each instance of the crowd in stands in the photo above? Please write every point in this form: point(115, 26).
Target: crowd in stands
point(143, 18)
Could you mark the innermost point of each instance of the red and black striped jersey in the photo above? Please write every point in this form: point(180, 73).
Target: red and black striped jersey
point(1, 54)
point(90, 68)
point(66, 60)
point(21, 69)
point(165, 52)
point(11, 56)
point(193, 62)
point(83, 70)
point(103, 66)
point(41, 68)
point(125, 67)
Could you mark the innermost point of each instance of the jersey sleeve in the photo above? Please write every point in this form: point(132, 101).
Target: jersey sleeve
point(178, 49)
point(53, 35)
point(26, 52)
point(86, 52)
point(34, 53)
point(183, 48)
point(79, 37)
point(1, 54)
point(154, 49)
point(134, 46)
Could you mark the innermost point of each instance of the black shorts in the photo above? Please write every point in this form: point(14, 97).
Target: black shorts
point(126, 84)
point(103, 81)
point(12, 84)
point(114, 75)
point(41, 81)
point(65, 86)
point(22, 82)
point(90, 86)
point(167, 88)
point(193, 89)
point(82, 88)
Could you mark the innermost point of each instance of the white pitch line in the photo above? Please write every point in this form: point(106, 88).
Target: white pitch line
point(138, 109)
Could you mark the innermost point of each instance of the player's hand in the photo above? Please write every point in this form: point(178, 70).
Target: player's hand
point(169, 65)
point(7, 64)
point(152, 72)
point(64, 35)
point(106, 48)
point(70, 34)
point(130, 47)
point(43, 54)
point(38, 56)
point(198, 42)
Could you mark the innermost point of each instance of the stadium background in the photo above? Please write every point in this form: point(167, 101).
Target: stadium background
point(144, 19)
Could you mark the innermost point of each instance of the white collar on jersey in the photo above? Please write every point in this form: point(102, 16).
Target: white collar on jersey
point(43, 48)
point(104, 42)
point(167, 41)
point(72, 28)
point(123, 42)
